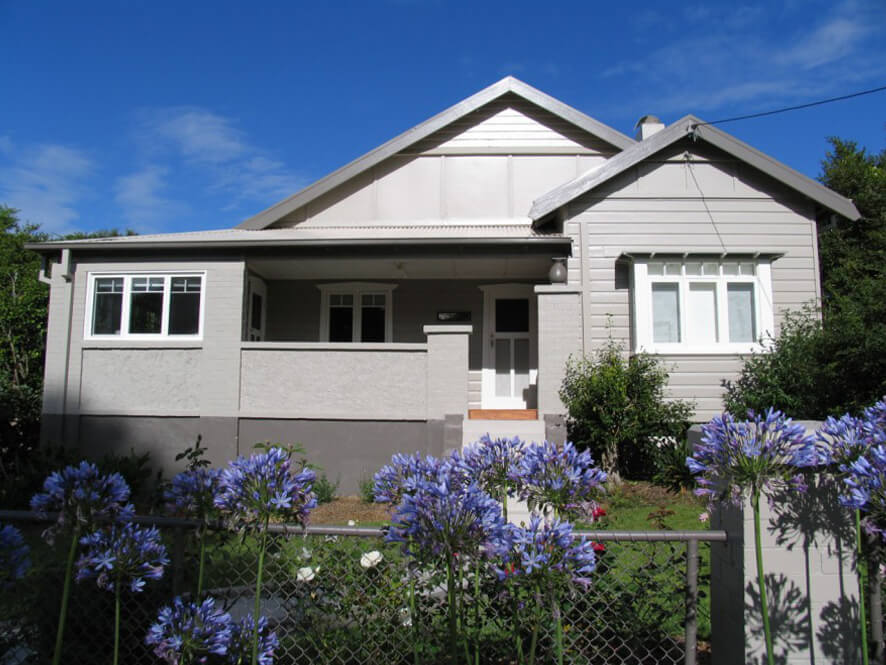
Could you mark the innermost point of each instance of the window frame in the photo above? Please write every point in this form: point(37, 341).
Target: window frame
point(357, 290)
point(641, 290)
point(126, 305)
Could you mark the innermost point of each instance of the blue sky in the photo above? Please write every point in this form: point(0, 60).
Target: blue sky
point(177, 116)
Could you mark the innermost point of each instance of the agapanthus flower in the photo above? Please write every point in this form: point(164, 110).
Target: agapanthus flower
point(188, 632)
point(240, 646)
point(124, 554)
point(559, 477)
point(192, 493)
point(406, 472)
point(84, 496)
point(875, 415)
point(542, 549)
point(865, 489)
point(763, 452)
point(264, 486)
point(838, 442)
point(14, 556)
point(443, 516)
point(491, 462)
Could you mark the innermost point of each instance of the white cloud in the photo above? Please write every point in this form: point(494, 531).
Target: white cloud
point(747, 58)
point(139, 196)
point(210, 148)
point(45, 182)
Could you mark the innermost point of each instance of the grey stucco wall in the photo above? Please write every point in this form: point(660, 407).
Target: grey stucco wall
point(559, 337)
point(346, 451)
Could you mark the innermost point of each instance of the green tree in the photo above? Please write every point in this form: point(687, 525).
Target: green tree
point(23, 302)
point(617, 409)
point(834, 363)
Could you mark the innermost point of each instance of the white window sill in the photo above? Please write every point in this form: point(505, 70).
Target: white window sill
point(117, 342)
point(709, 350)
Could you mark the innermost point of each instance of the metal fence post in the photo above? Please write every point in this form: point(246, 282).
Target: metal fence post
point(691, 601)
point(875, 582)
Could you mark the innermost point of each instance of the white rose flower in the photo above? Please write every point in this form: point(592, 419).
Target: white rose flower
point(305, 574)
point(352, 523)
point(405, 617)
point(305, 553)
point(371, 559)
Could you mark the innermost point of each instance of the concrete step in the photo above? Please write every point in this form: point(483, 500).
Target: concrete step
point(528, 430)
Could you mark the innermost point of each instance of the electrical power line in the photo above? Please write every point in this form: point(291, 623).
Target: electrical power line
point(792, 108)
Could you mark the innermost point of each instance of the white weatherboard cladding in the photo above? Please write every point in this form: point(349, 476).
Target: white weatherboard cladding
point(489, 165)
point(657, 207)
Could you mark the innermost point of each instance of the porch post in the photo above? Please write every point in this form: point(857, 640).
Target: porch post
point(559, 336)
point(447, 385)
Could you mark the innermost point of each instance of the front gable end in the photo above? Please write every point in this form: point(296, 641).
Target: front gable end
point(480, 161)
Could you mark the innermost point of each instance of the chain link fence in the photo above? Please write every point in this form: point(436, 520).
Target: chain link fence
point(344, 596)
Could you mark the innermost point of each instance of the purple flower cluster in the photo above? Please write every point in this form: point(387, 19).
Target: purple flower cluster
point(192, 493)
point(83, 495)
point(560, 477)
point(541, 549)
point(240, 646)
point(122, 553)
point(406, 473)
point(443, 516)
point(190, 632)
point(492, 463)
point(263, 486)
point(763, 452)
point(14, 556)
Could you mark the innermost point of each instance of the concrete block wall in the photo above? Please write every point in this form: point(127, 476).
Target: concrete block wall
point(447, 373)
point(811, 582)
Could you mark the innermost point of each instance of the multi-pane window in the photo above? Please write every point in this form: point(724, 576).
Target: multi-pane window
point(701, 305)
point(146, 306)
point(356, 312)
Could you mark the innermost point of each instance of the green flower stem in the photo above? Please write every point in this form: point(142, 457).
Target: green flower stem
point(261, 564)
point(534, 642)
point(862, 570)
point(117, 622)
point(477, 612)
point(518, 640)
point(761, 579)
point(462, 614)
point(66, 593)
point(200, 566)
point(413, 619)
point(453, 616)
point(504, 503)
point(558, 628)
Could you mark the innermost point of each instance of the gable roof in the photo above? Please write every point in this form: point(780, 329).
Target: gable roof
point(507, 85)
point(686, 126)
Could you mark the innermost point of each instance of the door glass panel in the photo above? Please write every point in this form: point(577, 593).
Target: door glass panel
point(502, 368)
point(741, 312)
point(521, 367)
point(341, 324)
point(665, 314)
point(701, 317)
point(512, 315)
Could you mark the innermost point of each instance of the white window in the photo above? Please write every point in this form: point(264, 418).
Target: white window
point(145, 306)
point(701, 305)
point(356, 312)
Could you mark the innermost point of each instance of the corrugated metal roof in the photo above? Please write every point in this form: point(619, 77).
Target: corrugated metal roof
point(420, 230)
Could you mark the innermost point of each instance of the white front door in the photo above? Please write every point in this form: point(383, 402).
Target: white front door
point(256, 303)
point(509, 353)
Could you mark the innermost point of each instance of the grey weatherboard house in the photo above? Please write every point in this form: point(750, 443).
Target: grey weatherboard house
point(433, 287)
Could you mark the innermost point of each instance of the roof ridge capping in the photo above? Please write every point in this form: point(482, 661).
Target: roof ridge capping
point(508, 84)
point(685, 126)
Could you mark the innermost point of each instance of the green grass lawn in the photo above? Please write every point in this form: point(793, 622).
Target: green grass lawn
point(637, 505)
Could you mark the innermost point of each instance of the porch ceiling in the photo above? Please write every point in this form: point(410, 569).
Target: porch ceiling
point(522, 267)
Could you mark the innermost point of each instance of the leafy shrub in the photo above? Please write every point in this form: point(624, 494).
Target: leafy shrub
point(617, 409)
point(671, 471)
point(813, 370)
point(324, 489)
point(367, 490)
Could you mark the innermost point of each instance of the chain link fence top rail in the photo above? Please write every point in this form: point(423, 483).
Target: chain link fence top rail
point(344, 596)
